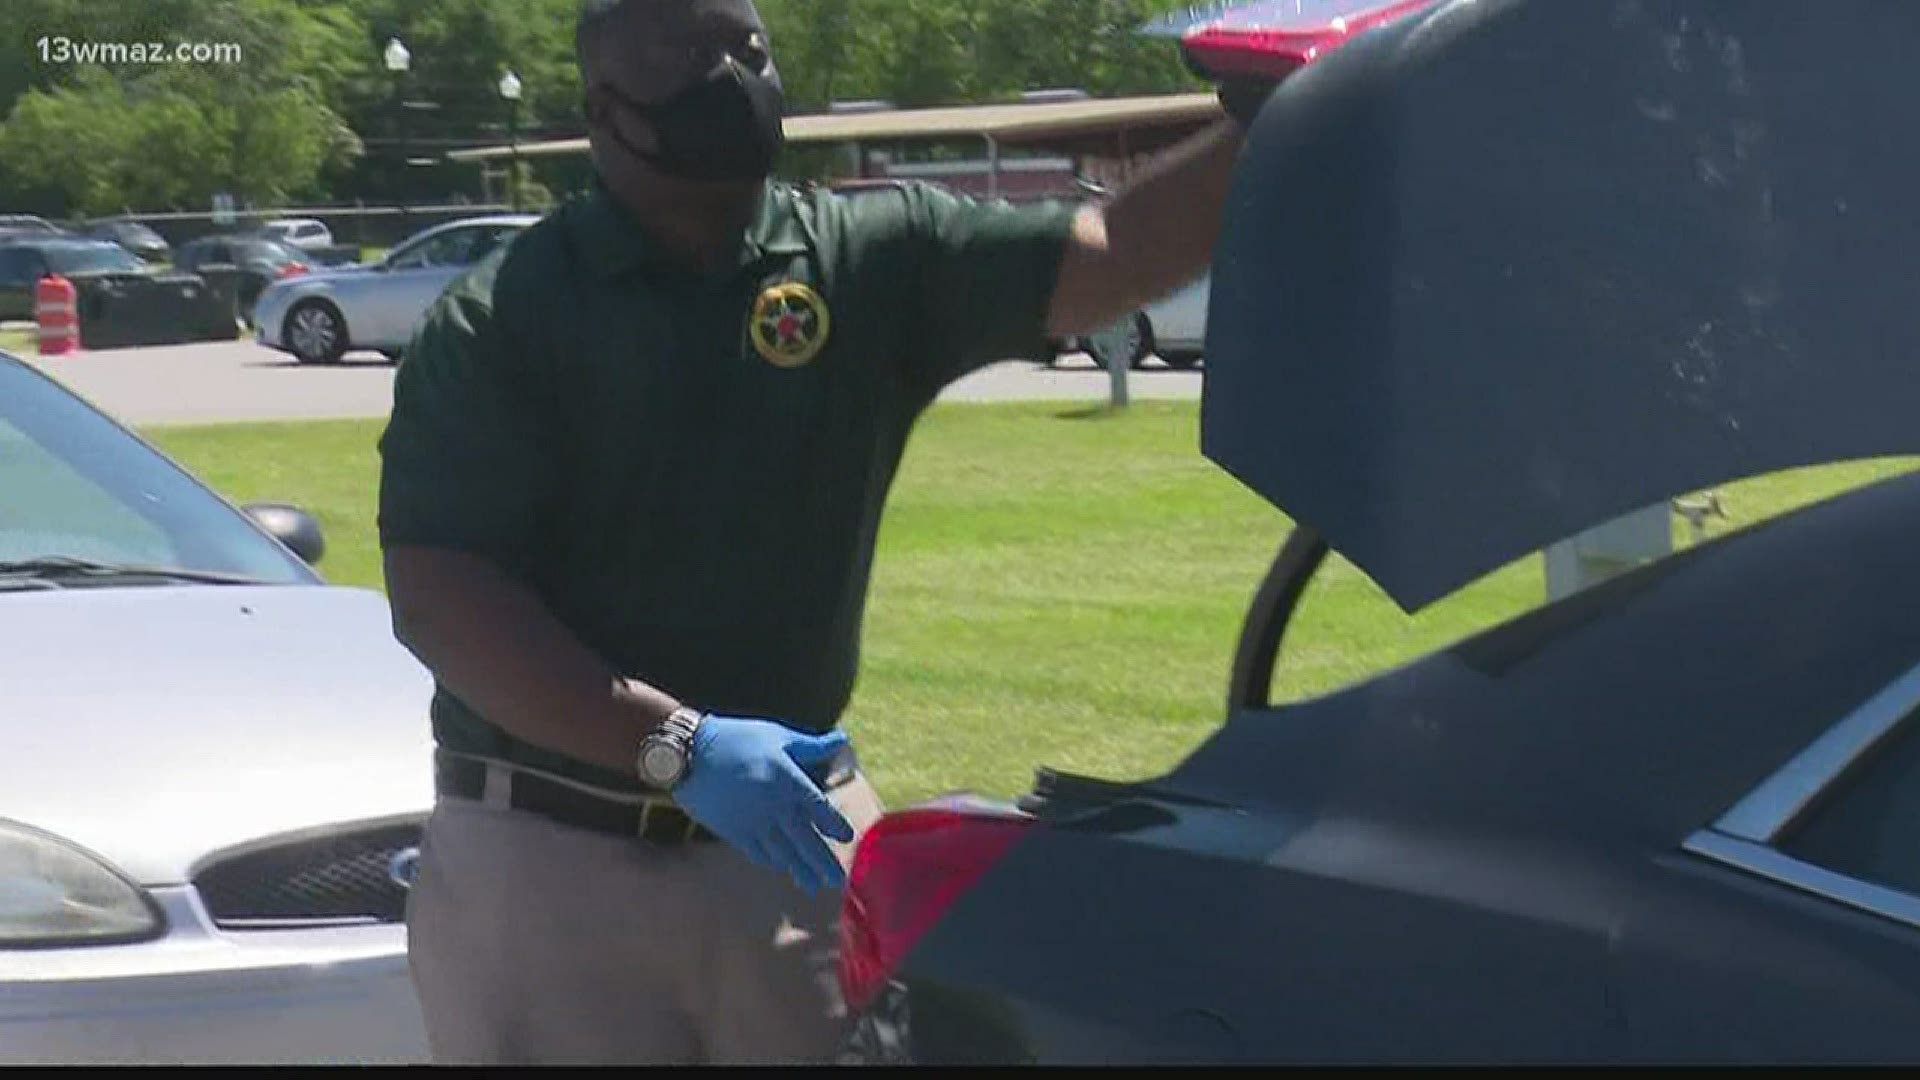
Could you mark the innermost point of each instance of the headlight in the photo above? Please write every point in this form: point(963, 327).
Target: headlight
point(52, 893)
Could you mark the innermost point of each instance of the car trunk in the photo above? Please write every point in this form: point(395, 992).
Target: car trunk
point(1478, 292)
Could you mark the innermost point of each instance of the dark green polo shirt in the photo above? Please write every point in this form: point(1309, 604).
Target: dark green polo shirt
point(603, 425)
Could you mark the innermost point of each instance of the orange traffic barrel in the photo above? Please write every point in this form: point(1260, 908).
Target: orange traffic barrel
point(56, 308)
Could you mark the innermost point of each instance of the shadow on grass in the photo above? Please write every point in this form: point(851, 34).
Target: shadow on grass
point(1090, 412)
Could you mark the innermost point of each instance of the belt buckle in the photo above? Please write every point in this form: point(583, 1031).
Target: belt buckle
point(647, 816)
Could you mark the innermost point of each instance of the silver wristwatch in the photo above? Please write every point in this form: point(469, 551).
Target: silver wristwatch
point(667, 752)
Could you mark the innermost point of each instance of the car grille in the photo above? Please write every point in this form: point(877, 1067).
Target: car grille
point(343, 878)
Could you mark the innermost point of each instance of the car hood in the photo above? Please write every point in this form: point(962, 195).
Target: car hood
point(156, 725)
point(1505, 270)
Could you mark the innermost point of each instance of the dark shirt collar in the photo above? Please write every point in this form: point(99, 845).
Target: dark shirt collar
point(614, 242)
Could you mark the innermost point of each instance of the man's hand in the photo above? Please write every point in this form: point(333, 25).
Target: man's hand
point(748, 784)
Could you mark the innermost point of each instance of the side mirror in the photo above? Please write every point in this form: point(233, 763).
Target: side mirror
point(292, 526)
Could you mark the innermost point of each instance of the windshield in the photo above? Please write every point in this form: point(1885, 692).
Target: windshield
point(90, 258)
point(77, 486)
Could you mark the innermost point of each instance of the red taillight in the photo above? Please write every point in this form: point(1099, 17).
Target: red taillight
point(1272, 40)
point(293, 270)
point(910, 869)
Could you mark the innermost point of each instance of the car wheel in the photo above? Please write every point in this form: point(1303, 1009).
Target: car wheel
point(1131, 338)
point(315, 332)
point(1183, 361)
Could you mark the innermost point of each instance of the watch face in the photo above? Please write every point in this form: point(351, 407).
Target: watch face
point(661, 763)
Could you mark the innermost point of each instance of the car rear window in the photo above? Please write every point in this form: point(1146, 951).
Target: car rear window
point(1868, 828)
point(273, 251)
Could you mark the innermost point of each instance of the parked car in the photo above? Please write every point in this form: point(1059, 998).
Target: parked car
point(304, 233)
point(262, 261)
point(1478, 289)
point(321, 316)
point(1172, 328)
point(1175, 327)
point(135, 237)
point(23, 262)
point(215, 769)
point(12, 225)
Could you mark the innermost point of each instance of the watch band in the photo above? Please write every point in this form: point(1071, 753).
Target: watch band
point(681, 724)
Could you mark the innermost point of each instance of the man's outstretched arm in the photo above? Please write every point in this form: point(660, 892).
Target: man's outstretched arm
point(1153, 237)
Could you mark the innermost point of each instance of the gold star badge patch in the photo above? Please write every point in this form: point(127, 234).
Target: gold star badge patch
point(790, 324)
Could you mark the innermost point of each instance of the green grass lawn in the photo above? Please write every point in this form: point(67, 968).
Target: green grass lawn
point(1051, 588)
point(19, 341)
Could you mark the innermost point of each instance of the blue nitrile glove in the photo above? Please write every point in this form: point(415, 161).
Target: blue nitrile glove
point(747, 782)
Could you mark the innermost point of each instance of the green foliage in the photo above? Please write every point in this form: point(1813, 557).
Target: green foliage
point(935, 52)
point(310, 111)
point(534, 195)
point(103, 137)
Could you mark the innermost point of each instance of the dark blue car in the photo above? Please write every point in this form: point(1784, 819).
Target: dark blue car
point(1496, 272)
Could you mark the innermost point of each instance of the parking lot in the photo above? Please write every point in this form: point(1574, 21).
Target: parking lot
point(228, 382)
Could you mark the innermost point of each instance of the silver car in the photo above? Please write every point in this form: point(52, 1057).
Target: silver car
point(215, 767)
point(1176, 327)
point(307, 234)
point(322, 316)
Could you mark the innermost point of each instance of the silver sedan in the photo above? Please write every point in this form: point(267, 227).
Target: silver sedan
point(320, 317)
point(215, 773)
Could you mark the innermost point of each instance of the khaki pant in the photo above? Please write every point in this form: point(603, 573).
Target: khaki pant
point(532, 942)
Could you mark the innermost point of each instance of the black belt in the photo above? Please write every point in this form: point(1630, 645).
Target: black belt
point(655, 819)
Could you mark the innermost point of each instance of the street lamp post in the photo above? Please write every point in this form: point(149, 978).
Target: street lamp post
point(399, 61)
point(510, 92)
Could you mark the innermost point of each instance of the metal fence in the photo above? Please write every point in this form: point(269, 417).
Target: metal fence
point(352, 226)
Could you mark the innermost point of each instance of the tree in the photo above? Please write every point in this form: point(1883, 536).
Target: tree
point(103, 137)
point(940, 52)
point(107, 145)
point(312, 112)
point(459, 49)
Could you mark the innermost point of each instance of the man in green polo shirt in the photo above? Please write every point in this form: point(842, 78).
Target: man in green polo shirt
point(630, 491)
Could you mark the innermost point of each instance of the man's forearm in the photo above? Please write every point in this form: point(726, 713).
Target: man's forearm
point(497, 647)
point(1156, 235)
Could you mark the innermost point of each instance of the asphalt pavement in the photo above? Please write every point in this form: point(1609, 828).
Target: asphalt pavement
point(233, 382)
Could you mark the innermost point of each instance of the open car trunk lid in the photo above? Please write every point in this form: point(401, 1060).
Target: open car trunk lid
point(1503, 270)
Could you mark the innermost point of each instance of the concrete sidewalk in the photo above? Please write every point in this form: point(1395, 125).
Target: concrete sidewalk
point(230, 382)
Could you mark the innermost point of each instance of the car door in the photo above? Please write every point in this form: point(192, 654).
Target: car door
point(1180, 320)
point(388, 303)
point(22, 277)
point(17, 277)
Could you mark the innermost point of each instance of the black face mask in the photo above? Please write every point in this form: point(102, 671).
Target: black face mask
point(725, 127)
